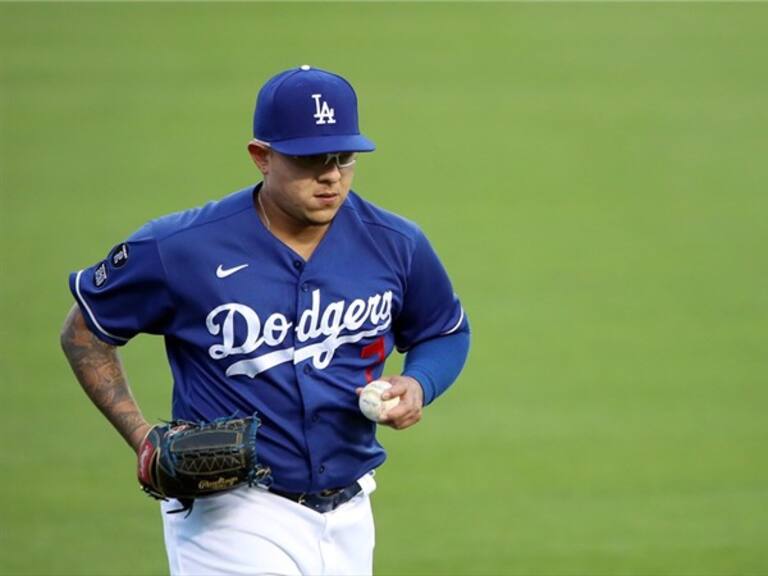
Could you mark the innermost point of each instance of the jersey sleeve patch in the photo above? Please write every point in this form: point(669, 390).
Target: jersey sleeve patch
point(100, 275)
point(119, 256)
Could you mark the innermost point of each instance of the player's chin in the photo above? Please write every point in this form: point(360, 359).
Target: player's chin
point(317, 220)
point(321, 215)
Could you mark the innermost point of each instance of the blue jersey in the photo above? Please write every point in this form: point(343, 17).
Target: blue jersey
point(250, 326)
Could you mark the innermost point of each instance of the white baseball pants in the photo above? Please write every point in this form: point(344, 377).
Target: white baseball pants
point(250, 531)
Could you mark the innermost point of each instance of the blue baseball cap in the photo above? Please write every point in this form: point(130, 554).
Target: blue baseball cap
point(305, 111)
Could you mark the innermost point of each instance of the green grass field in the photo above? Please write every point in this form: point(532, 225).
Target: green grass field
point(590, 174)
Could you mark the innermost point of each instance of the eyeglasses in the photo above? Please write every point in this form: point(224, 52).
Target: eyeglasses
point(317, 161)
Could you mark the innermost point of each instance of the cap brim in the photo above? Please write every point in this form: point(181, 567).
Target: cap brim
point(323, 145)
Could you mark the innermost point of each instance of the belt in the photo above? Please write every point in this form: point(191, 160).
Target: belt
point(324, 501)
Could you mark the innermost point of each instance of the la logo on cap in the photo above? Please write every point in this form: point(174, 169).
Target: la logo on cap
point(325, 113)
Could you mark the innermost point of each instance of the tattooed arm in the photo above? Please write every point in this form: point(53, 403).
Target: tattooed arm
point(99, 370)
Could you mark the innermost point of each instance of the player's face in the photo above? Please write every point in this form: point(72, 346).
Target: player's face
point(310, 189)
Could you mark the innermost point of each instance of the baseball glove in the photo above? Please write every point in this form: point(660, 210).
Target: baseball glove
point(188, 460)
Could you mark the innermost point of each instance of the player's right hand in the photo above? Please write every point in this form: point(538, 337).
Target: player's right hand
point(409, 411)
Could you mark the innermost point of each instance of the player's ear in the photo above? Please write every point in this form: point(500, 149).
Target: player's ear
point(260, 154)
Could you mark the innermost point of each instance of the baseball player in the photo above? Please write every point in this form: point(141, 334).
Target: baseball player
point(282, 299)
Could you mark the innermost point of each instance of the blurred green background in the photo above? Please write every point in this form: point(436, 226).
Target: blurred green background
point(592, 175)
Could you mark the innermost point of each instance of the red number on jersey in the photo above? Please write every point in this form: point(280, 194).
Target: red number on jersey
point(375, 348)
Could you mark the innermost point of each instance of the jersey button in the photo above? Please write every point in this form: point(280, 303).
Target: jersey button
point(297, 264)
point(315, 418)
point(305, 287)
point(307, 368)
point(321, 469)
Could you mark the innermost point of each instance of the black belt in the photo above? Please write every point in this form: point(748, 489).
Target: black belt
point(324, 501)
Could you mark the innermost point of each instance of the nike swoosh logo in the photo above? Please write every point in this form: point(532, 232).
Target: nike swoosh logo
point(224, 272)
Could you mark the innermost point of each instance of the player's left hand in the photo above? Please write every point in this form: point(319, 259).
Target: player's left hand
point(408, 412)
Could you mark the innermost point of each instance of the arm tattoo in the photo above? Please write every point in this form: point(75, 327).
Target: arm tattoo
point(99, 370)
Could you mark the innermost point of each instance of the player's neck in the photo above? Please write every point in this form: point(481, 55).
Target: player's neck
point(301, 237)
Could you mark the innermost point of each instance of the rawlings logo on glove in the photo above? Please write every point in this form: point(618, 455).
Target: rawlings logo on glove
point(188, 460)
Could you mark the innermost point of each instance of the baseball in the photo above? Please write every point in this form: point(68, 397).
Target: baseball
point(370, 402)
